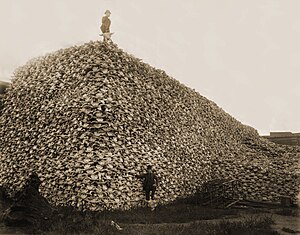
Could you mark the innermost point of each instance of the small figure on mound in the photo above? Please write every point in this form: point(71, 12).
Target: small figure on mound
point(150, 183)
point(105, 26)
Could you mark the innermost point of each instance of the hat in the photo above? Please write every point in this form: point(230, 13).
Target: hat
point(107, 12)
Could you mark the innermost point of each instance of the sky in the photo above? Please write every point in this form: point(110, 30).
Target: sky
point(243, 55)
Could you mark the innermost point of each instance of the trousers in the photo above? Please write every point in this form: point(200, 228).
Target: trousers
point(150, 192)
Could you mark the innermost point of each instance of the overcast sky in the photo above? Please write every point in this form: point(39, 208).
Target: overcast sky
point(242, 54)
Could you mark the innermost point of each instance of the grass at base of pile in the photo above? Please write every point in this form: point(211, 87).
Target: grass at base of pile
point(252, 226)
point(67, 220)
point(179, 213)
point(71, 220)
point(177, 218)
point(288, 212)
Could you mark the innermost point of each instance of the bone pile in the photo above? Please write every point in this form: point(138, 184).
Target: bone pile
point(89, 118)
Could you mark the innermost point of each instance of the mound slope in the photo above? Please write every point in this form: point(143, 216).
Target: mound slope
point(89, 118)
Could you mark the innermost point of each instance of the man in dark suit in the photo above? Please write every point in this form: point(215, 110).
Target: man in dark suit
point(150, 182)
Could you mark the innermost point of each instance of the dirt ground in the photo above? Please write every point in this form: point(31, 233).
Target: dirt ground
point(283, 224)
point(286, 224)
point(179, 218)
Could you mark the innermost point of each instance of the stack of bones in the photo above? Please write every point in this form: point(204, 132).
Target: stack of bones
point(89, 118)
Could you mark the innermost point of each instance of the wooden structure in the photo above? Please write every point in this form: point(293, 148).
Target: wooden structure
point(220, 192)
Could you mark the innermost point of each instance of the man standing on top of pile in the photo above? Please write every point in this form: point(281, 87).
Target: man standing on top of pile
point(105, 26)
point(150, 183)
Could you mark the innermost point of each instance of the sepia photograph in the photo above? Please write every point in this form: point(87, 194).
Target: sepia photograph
point(150, 117)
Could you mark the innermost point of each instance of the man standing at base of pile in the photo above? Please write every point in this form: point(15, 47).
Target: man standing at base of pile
point(105, 26)
point(150, 183)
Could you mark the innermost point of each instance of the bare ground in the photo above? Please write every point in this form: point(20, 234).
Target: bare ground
point(179, 218)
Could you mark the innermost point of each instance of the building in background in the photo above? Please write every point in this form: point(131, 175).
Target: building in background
point(3, 86)
point(286, 138)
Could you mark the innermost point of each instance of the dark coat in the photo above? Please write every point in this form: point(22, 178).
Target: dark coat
point(150, 181)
